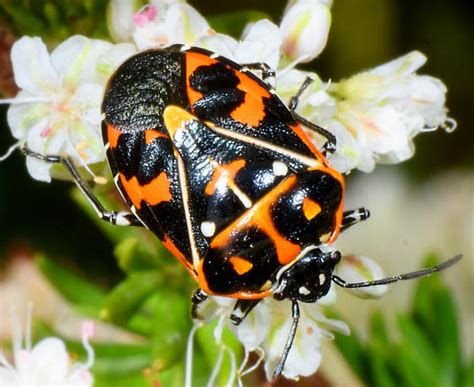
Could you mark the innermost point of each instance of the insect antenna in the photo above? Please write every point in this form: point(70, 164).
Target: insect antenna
point(289, 341)
point(400, 277)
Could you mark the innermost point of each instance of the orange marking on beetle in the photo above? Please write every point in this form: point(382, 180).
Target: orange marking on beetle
point(168, 243)
point(259, 215)
point(338, 216)
point(242, 295)
point(240, 265)
point(224, 174)
point(193, 61)
point(310, 208)
point(252, 110)
point(156, 191)
point(113, 136)
point(152, 134)
point(309, 143)
point(175, 118)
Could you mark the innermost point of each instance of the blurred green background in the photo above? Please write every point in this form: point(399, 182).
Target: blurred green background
point(364, 33)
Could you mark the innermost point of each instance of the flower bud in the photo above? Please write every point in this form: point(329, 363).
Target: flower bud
point(305, 29)
point(359, 268)
point(120, 19)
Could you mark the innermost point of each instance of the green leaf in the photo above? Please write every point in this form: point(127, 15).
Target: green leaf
point(428, 352)
point(127, 297)
point(173, 376)
point(120, 359)
point(133, 255)
point(354, 352)
point(379, 350)
point(115, 233)
point(78, 291)
point(434, 309)
point(134, 380)
point(23, 19)
point(211, 349)
point(171, 326)
point(380, 368)
point(416, 347)
point(467, 377)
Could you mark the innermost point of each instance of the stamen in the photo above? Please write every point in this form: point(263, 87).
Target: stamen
point(16, 332)
point(87, 331)
point(223, 348)
point(10, 150)
point(29, 316)
point(81, 159)
point(217, 367)
point(254, 366)
point(450, 125)
point(189, 355)
point(428, 129)
point(4, 362)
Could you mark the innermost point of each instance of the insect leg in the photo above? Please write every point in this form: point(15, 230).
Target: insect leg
point(198, 298)
point(120, 218)
point(330, 144)
point(265, 70)
point(349, 218)
point(289, 341)
point(241, 309)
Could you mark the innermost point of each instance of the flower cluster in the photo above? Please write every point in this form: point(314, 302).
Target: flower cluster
point(374, 115)
point(57, 110)
point(46, 363)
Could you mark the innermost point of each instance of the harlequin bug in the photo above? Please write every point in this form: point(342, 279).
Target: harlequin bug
point(211, 161)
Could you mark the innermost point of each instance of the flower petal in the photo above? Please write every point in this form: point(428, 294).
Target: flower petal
point(261, 43)
point(31, 65)
point(305, 354)
point(359, 268)
point(219, 43)
point(120, 19)
point(22, 116)
point(253, 330)
point(9, 377)
point(305, 30)
point(180, 23)
point(75, 59)
point(50, 361)
point(402, 66)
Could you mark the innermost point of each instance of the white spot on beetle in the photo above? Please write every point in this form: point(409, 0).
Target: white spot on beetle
point(322, 279)
point(280, 168)
point(304, 291)
point(208, 229)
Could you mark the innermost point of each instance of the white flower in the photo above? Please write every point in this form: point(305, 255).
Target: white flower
point(265, 330)
point(359, 268)
point(305, 355)
point(167, 23)
point(120, 19)
point(260, 43)
point(305, 29)
point(384, 108)
point(57, 110)
point(47, 363)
